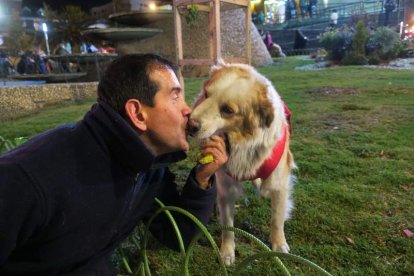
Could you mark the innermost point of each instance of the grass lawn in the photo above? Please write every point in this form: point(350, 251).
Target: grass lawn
point(353, 141)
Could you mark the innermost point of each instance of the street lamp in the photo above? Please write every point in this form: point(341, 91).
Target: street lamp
point(152, 6)
point(44, 27)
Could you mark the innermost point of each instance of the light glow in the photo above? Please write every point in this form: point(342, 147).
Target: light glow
point(152, 6)
point(44, 27)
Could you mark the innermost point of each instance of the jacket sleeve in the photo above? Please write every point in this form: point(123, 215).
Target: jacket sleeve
point(195, 200)
point(19, 209)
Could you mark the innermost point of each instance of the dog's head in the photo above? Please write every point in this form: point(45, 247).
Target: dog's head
point(234, 101)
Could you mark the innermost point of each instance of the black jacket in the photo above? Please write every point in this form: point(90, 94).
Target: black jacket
point(69, 196)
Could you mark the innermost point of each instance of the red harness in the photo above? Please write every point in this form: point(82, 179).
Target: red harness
point(270, 164)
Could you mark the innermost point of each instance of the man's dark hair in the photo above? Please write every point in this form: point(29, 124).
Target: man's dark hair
point(128, 77)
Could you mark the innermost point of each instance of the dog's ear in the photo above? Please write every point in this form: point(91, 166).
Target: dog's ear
point(249, 123)
point(201, 97)
point(264, 107)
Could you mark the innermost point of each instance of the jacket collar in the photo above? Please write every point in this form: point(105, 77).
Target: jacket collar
point(122, 143)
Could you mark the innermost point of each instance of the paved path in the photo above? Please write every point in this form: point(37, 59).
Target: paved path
point(397, 64)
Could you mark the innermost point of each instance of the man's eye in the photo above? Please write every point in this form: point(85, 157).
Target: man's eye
point(226, 109)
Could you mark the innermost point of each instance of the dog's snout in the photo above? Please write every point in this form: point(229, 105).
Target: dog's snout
point(193, 126)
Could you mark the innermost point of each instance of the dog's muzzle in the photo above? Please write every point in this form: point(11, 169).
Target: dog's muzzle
point(193, 127)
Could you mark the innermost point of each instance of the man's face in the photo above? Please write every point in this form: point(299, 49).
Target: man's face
point(167, 120)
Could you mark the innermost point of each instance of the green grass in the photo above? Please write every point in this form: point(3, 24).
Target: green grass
point(353, 141)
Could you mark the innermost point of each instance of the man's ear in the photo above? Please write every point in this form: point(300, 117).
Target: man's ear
point(136, 114)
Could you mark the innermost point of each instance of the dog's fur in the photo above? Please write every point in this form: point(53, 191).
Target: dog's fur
point(238, 102)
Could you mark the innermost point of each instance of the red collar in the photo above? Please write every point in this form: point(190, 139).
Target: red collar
point(270, 164)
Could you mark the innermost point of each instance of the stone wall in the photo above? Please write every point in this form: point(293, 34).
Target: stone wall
point(16, 101)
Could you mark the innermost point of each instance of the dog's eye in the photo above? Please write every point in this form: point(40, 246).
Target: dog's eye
point(226, 109)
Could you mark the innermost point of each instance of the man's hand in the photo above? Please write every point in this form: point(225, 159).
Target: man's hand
point(215, 146)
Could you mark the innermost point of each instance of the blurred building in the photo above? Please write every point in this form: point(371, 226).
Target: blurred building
point(8, 8)
point(103, 11)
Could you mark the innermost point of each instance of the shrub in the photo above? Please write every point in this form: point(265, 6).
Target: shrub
point(384, 42)
point(356, 55)
point(336, 42)
point(360, 38)
point(374, 59)
point(407, 49)
point(350, 47)
point(352, 58)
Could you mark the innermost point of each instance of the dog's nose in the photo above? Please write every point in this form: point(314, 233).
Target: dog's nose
point(193, 126)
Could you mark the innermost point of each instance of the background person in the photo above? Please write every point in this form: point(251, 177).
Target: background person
point(312, 7)
point(71, 195)
point(6, 68)
point(300, 40)
point(334, 19)
point(63, 64)
point(26, 63)
point(389, 8)
point(268, 40)
point(303, 8)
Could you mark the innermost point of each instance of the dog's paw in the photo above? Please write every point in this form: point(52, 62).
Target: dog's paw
point(227, 255)
point(284, 248)
point(228, 259)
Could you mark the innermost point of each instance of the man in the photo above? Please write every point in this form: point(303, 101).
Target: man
point(389, 8)
point(334, 19)
point(312, 8)
point(71, 195)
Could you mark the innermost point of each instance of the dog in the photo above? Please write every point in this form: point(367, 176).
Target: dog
point(243, 106)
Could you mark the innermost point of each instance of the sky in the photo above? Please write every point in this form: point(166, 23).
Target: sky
point(56, 4)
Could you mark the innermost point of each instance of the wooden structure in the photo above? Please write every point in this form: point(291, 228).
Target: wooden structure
point(212, 7)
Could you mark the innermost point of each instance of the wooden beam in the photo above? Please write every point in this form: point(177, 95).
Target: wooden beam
point(178, 3)
point(243, 3)
point(202, 8)
point(200, 61)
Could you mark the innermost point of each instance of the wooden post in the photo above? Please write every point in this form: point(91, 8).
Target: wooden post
point(211, 29)
point(217, 33)
point(178, 43)
point(248, 34)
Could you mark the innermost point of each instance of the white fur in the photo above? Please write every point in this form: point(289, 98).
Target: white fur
point(246, 155)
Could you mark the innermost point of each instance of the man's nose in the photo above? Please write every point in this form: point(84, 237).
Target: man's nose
point(186, 110)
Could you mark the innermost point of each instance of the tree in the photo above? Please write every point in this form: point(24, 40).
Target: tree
point(68, 23)
point(357, 54)
point(18, 39)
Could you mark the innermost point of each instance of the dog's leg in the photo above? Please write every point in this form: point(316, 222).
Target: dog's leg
point(228, 190)
point(279, 196)
point(279, 201)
